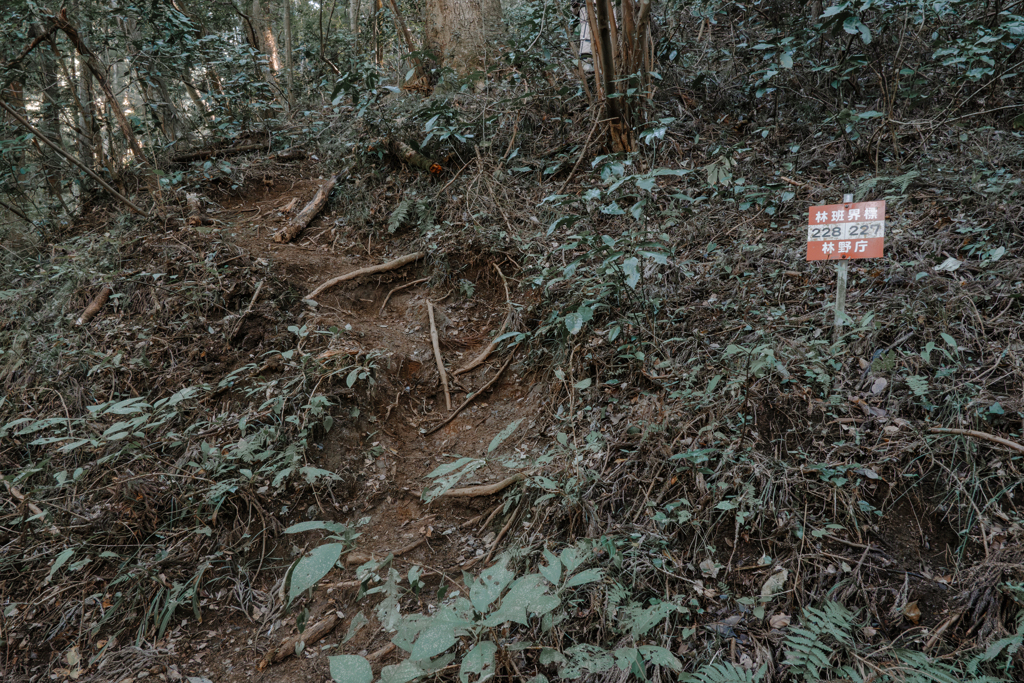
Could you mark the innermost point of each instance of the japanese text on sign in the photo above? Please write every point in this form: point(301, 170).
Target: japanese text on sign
point(846, 231)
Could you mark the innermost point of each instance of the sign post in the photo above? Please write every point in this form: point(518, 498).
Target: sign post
point(841, 232)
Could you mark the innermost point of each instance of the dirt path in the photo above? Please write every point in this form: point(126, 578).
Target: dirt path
point(381, 450)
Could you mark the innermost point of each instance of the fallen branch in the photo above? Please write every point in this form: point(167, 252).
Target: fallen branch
point(411, 157)
point(489, 349)
point(311, 209)
point(59, 150)
point(36, 511)
point(501, 534)
point(248, 309)
point(94, 306)
point(483, 489)
point(369, 270)
point(470, 398)
point(985, 436)
point(398, 289)
point(310, 635)
point(356, 558)
point(437, 356)
point(381, 653)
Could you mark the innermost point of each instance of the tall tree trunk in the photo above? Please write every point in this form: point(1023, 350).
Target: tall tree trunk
point(153, 85)
point(265, 37)
point(457, 31)
point(50, 124)
point(289, 77)
point(353, 18)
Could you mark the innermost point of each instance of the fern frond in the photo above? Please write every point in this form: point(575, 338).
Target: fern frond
point(721, 672)
point(399, 215)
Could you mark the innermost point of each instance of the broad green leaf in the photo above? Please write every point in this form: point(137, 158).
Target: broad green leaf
point(488, 588)
point(333, 527)
point(574, 322)
point(479, 661)
point(503, 434)
point(356, 625)
point(528, 595)
point(631, 267)
point(433, 640)
point(584, 577)
point(350, 669)
point(59, 562)
point(659, 656)
point(552, 571)
point(313, 567)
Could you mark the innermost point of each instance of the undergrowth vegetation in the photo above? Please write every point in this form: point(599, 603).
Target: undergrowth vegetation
point(722, 490)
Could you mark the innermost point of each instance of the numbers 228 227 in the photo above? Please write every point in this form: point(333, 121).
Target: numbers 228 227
point(845, 231)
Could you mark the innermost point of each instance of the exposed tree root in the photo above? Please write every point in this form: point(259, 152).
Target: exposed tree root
point(369, 270)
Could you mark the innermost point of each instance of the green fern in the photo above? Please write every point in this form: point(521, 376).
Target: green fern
point(810, 647)
point(399, 215)
point(721, 672)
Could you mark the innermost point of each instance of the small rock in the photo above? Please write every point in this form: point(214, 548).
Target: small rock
point(489, 538)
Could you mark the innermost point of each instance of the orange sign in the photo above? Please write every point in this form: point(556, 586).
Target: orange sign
point(846, 231)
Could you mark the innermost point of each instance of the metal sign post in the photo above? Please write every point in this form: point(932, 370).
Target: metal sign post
point(841, 232)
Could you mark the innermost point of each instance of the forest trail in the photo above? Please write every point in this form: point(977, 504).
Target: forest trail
point(383, 443)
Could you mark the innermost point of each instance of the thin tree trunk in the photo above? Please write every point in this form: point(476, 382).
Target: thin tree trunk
point(289, 77)
point(50, 109)
point(353, 18)
point(97, 69)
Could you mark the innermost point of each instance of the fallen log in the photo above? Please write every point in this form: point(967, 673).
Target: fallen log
point(299, 223)
point(369, 270)
point(356, 558)
point(94, 306)
point(310, 635)
point(409, 155)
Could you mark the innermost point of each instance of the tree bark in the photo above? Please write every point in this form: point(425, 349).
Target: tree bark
point(50, 109)
point(457, 31)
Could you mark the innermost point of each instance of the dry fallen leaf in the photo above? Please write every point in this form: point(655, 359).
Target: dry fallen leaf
point(869, 632)
point(779, 620)
point(879, 385)
point(709, 568)
point(912, 612)
point(775, 583)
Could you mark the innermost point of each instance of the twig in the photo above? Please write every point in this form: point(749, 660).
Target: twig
point(238, 325)
point(22, 498)
point(583, 152)
point(310, 635)
point(94, 306)
point(501, 534)
point(363, 558)
point(437, 356)
point(979, 435)
point(396, 289)
point(384, 651)
point(369, 270)
point(489, 349)
point(470, 398)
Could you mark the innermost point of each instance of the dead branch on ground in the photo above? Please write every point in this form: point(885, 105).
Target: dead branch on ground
point(470, 398)
point(94, 306)
point(299, 223)
point(369, 270)
point(435, 342)
point(310, 635)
